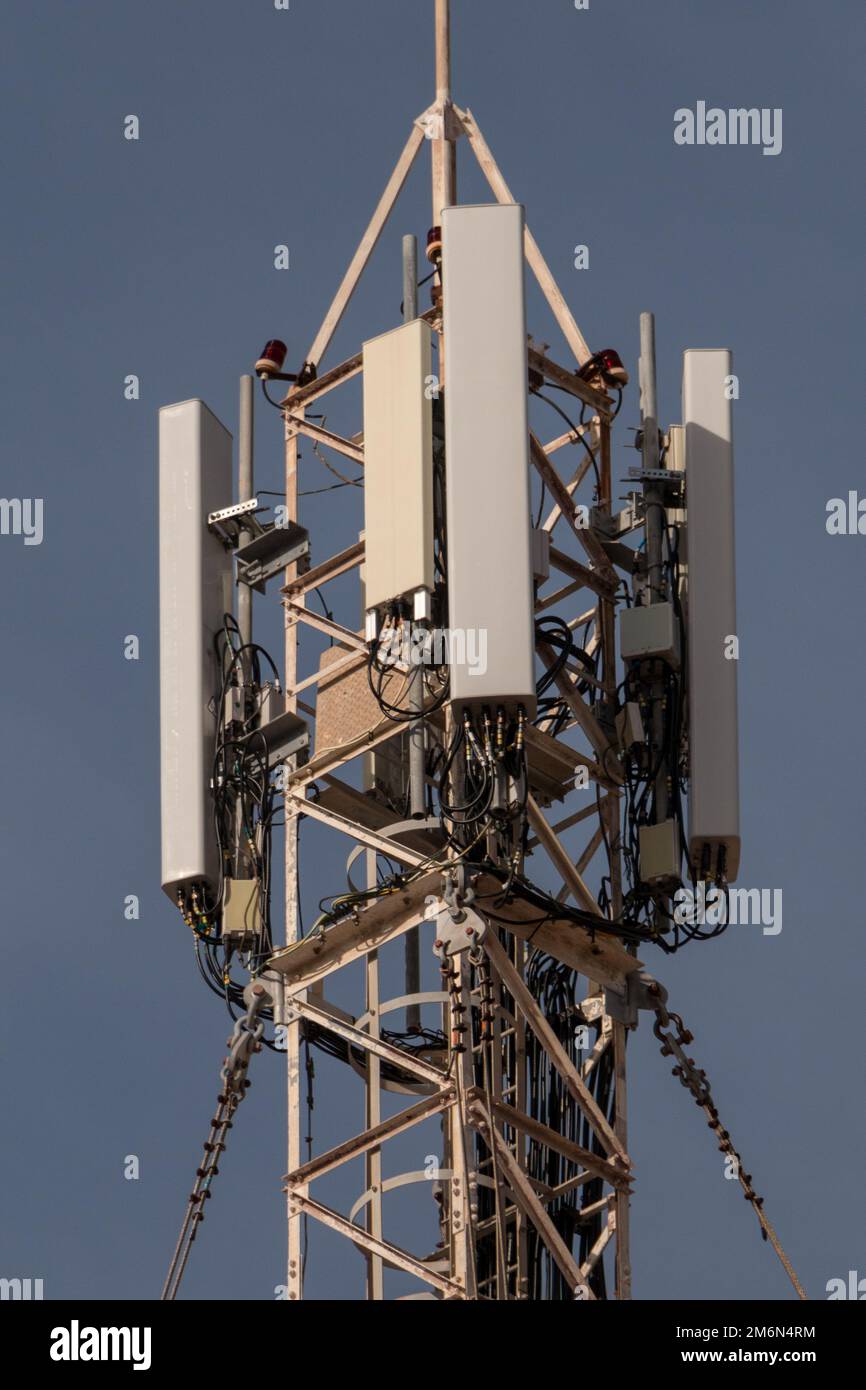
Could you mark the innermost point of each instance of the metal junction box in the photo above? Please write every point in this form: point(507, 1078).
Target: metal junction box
point(398, 464)
point(490, 562)
point(241, 914)
point(714, 802)
point(660, 853)
point(650, 632)
point(195, 478)
point(629, 726)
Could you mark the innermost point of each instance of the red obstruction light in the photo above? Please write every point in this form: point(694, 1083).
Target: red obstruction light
point(607, 365)
point(273, 356)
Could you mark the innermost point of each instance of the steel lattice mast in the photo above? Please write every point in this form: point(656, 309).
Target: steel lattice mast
point(447, 777)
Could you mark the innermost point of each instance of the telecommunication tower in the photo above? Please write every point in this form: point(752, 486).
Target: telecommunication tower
point(513, 674)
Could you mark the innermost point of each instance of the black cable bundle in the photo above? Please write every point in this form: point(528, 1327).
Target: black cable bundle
point(642, 903)
point(381, 670)
point(494, 758)
point(554, 985)
point(554, 632)
point(240, 778)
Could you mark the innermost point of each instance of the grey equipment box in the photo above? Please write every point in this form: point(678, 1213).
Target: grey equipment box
point(650, 632)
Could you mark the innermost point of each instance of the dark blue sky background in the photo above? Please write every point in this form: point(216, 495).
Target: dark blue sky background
point(261, 127)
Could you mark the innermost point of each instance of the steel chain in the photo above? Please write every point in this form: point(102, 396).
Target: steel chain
point(695, 1081)
point(244, 1041)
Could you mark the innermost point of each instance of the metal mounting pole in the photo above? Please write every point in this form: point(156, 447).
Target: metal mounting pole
point(656, 521)
point(245, 492)
point(416, 687)
point(294, 1040)
point(410, 278)
point(245, 593)
point(650, 428)
point(417, 740)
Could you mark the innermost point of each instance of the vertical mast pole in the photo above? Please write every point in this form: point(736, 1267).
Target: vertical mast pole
point(245, 493)
point(444, 179)
point(417, 740)
point(650, 428)
point(460, 1140)
point(245, 593)
point(294, 1275)
point(656, 520)
point(656, 524)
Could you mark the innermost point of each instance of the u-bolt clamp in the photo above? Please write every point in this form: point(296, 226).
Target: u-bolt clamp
point(458, 891)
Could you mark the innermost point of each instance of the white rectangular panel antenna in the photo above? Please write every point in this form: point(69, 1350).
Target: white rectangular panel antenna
point(398, 464)
point(714, 797)
point(490, 589)
point(195, 478)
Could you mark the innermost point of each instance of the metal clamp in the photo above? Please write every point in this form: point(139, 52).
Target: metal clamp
point(458, 890)
point(642, 992)
point(464, 932)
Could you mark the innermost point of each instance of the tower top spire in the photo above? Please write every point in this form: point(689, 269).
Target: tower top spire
point(443, 50)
